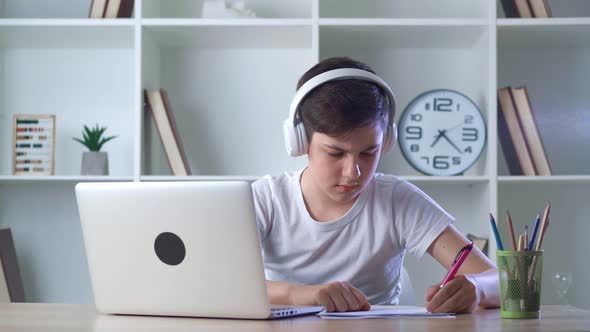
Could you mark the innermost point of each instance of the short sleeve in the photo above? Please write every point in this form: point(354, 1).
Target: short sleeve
point(261, 191)
point(418, 218)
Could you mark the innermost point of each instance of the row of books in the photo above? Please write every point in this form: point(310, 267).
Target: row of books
point(519, 134)
point(158, 103)
point(526, 8)
point(111, 9)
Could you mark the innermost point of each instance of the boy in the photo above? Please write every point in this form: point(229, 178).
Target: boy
point(335, 233)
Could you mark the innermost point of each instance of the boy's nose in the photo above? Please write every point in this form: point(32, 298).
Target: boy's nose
point(352, 170)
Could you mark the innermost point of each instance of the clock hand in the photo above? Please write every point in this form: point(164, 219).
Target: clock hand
point(440, 134)
point(451, 142)
point(454, 127)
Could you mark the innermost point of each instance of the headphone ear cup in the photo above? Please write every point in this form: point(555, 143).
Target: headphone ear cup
point(302, 145)
point(390, 139)
point(290, 138)
point(393, 136)
point(295, 139)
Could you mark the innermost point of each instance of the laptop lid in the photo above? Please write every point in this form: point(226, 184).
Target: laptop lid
point(173, 248)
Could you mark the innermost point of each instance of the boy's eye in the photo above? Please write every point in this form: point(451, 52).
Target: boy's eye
point(335, 154)
point(369, 154)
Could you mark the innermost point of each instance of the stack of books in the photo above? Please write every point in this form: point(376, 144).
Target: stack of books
point(111, 9)
point(519, 134)
point(526, 8)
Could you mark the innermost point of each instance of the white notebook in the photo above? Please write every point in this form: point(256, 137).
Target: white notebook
point(386, 311)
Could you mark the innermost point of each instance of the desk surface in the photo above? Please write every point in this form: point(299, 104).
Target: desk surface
point(61, 317)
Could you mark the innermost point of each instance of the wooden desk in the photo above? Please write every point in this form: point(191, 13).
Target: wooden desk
point(62, 317)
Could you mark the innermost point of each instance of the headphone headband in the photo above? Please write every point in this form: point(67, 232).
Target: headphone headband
point(293, 129)
point(340, 74)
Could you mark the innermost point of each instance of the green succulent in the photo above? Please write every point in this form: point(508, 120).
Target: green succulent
point(93, 139)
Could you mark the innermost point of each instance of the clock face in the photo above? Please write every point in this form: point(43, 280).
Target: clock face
point(442, 132)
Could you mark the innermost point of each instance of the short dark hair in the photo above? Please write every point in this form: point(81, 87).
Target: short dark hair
point(336, 108)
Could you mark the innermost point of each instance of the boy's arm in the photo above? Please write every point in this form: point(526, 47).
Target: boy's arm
point(334, 296)
point(476, 280)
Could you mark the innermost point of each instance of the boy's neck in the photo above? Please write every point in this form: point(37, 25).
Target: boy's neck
point(320, 206)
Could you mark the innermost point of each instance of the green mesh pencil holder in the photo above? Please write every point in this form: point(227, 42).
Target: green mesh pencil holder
point(520, 283)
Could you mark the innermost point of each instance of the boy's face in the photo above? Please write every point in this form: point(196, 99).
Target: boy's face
point(341, 167)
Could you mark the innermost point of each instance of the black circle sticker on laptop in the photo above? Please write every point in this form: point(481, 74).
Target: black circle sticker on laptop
point(169, 248)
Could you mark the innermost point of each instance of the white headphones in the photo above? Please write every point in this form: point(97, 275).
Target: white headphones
point(293, 129)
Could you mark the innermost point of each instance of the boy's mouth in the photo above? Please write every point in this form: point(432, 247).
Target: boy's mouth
point(346, 187)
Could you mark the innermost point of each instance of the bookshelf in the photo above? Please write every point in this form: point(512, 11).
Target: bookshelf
point(230, 82)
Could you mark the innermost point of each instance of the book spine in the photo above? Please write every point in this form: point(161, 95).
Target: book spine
point(506, 144)
point(515, 133)
point(155, 100)
point(509, 8)
point(172, 120)
point(530, 129)
point(523, 8)
point(539, 8)
point(126, 9)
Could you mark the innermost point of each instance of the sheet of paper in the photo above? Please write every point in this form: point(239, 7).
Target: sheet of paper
point(386, 311)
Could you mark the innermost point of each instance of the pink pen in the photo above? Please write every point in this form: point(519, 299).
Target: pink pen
point(461, 256)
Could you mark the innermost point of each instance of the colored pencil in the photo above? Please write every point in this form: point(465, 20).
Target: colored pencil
point(511, 230)
point(496, 234)
point(535, 230)
point(544, 226)
point(526, 237)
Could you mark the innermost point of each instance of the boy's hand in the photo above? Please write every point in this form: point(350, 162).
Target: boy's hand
point(460, 295)
point(338, 296)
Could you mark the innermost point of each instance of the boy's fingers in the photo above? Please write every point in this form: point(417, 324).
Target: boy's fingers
point(431, 291)
point(339, 301)
point(351, 300)
point(451, 304)
point(362, 298)
point(366, 307)
point(443, 294)
point(327, 302)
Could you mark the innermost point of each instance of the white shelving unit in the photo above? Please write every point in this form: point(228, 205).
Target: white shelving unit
point(231, 81)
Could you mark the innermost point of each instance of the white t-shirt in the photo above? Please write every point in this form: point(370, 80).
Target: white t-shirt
point(365, 247)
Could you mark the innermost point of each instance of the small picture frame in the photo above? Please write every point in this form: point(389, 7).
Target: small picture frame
point(33, 148)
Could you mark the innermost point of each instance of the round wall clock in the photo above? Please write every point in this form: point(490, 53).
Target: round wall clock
point(442, 132)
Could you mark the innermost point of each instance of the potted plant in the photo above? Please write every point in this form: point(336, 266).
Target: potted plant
point(94, 162)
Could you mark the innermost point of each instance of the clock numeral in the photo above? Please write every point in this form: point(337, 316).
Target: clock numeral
point(456, 160)
point(413, 132)
point(470, 134)
point(442, 104)
point(416, 117)
point(425, 158)
point(440, 162)
point(414, 147)
point(468, 119)
point(468, 149)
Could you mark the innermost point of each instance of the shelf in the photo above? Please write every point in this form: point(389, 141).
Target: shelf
point(44, 9)
point(193, 8)
point(66, 22)
point(404, 8)
point(205, 34)
point(250, 178)
point(551, 21)
point(61, 178)
point(557, 179)
point(544, 33)
point(186, 22)
point(401, 34)
point(447, 179)
point(66, 34)
point(414, 22)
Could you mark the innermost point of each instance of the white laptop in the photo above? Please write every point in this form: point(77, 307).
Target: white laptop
point(176, 249)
